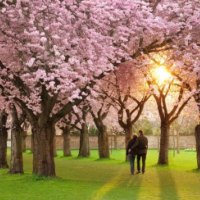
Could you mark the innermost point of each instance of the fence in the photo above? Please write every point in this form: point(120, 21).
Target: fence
point(118, 142)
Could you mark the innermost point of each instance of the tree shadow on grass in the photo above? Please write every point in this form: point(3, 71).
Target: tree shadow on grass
point(121, 186)
point(168, 190)
point(76, 157)
point(196, 171)
point(105, 160)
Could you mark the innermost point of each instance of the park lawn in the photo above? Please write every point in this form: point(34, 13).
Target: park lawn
point(93, 179)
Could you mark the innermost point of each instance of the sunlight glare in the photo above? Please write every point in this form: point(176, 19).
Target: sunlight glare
point(161, 74)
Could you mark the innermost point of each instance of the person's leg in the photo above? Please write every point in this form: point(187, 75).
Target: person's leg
point(131, 163)
point(138, 163)
point(143, 162)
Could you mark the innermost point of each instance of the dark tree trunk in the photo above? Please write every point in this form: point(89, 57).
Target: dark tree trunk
point(16, 162)
point(3, 140)
point(197, 137)
point(3, 149)
point(43, 149)
point(84, 142)
point(128, 134)
point(164, 144)
point(103, 143)
point(66, 142)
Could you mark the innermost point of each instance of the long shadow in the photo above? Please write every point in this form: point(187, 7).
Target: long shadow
point(168, 190)
point(121, 186)
point(196, 171)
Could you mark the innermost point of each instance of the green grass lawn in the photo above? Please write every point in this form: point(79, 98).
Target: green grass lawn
point(93, 179)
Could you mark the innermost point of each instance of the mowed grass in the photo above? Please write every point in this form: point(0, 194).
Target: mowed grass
point(93, 179)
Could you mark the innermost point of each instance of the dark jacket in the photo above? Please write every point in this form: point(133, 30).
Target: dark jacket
point(131, 148)
point(142, 144)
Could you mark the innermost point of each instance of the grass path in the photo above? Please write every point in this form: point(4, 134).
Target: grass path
point(93, 179)
point(109, 186)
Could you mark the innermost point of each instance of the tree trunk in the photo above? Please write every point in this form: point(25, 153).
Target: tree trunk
point(3, 140)
point(164, 144)
point(16, 162)
point(84, 142)
point(43, 149)
point(103, 143)
point(197, 137)
point(128, 134)
point(3, 149)
point(66, 142)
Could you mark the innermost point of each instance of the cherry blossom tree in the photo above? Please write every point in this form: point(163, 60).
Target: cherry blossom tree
point(52, 53)
point(187, 57)
point(185, 44)
point(128, 97)
point(99, 109)
point(171, 96)
point(17, 133)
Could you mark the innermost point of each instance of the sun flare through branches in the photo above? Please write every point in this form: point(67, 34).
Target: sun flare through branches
point(161, 75)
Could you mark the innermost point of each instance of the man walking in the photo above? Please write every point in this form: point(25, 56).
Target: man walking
point(142, 146)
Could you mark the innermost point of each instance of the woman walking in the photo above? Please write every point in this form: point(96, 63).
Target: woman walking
point(131, 152)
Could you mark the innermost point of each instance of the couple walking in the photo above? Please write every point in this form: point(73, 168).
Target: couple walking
point(137, 147)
